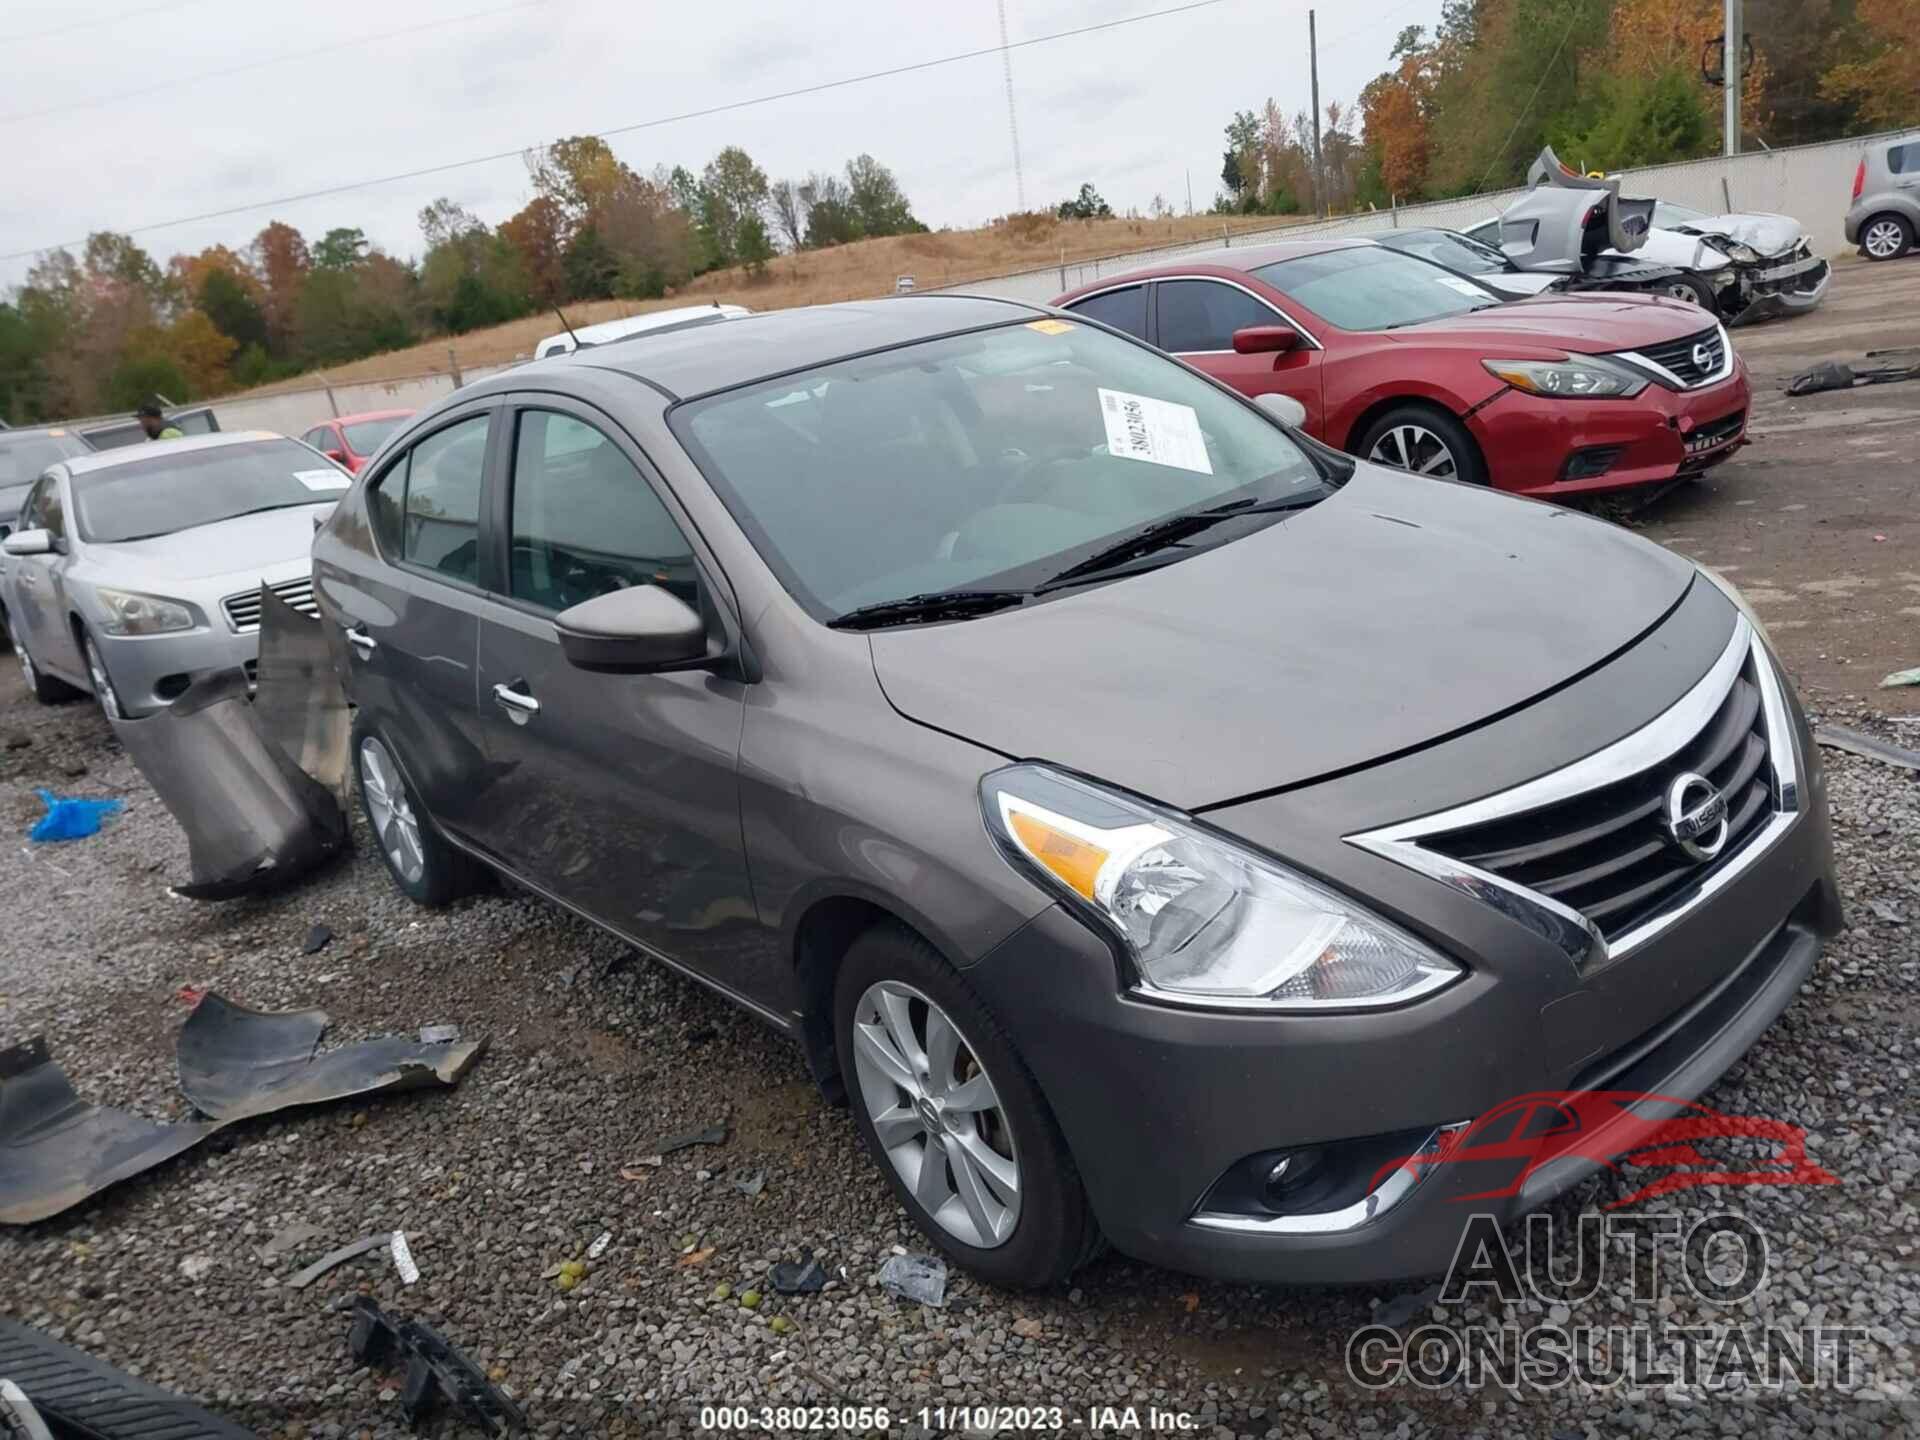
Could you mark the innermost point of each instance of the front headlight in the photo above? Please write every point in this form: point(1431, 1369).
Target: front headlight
point(1742, 254)
point(129, 613)
point(1205, 921)
point(1588, 377)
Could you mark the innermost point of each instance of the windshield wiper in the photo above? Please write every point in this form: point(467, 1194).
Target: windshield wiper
point(1171, 531)
point(933, 605)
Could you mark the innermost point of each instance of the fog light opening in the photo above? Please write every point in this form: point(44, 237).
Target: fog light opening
point(1594, 460)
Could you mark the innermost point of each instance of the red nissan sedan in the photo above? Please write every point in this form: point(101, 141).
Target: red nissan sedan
point(350, 440)
point(1410, 365)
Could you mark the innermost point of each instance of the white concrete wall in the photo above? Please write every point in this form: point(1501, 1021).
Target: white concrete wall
point(1812, 183)
point(293, 411)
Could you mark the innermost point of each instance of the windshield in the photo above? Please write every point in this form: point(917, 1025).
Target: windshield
point(987, 460)
point(1453, 251)
point(366, 436)
point(1667, 216)
point(1370, 288)
point(180, 490)
point(23, 457)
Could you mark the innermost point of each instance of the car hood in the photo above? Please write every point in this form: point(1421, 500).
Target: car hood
point(244, 545)
point(1767, 234)
point(1397, 612)
point(1583, 324)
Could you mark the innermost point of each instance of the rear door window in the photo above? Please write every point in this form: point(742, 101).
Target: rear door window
point(1123, 309)
point(1902, 159)
point(1197, 315)
point(585, 520)
point(426, 507)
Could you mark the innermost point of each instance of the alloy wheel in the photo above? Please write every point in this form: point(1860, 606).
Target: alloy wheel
point(26, 660)
point(391, 812)
point(102, 685)
point(936, 1114)
point(1680, 290)
point(1415, 448)
point(1883, 239)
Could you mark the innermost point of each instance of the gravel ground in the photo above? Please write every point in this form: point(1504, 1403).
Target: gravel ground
point(595, 1056)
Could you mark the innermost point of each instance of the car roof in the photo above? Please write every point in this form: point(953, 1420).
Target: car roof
point(35, 432)
point(1240, 257)
point(706, 358)
point(126, 454)
point(367, 415)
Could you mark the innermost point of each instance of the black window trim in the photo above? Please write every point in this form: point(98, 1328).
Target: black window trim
point(490, 408)
point(497, 507)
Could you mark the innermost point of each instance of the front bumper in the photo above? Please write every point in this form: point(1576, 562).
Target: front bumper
point(1791, 296)
point(146, 669)
point(1532, 443)
point(1159, 1103)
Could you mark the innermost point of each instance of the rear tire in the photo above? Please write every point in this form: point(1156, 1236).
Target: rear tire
point(425, 867)
point(1423, 440)
point(45, 689)
point(1692, 289)
point(953, 1079)
point(1886, 237)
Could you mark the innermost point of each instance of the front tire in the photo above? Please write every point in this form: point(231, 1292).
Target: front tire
point(1424, 440)
point(103, 690)
point(427, 870)
point(950, 1114)
point(1886, 237)
point(45, 689)
point(1693, 290)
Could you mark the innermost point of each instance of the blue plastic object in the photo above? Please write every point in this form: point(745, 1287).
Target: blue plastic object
point(69, 817)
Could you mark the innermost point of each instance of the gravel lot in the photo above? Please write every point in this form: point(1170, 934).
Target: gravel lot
point(595, 1056)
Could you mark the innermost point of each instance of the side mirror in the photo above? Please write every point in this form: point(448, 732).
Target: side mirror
point(28, 542)
point(1284, 408)
point(1265, 339)
point(338, 457)
point(632, 632)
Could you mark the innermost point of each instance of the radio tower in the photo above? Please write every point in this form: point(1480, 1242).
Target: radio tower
point(1013, 122)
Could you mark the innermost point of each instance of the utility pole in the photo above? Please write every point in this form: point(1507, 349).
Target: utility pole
point(1313, 64)
point(1734, 50)
point(1013, 123)
point(1189, 190)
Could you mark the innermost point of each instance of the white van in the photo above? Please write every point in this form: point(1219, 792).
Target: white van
point(636, 324)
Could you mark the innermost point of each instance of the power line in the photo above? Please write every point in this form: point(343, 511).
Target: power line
point(1369, 28)
point(97, 21)
point(1506, 144)
point(305, 54)
point(722, 109)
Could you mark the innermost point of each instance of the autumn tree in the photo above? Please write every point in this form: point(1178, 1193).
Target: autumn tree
point(538, 233)
point(1884, 87)
point(281, 261)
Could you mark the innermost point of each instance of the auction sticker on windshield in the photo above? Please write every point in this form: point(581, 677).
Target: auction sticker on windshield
point(323, 479)
point(1160, 432)
point(1464, 287)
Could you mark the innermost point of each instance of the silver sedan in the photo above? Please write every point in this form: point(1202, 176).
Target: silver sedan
point(135, 569)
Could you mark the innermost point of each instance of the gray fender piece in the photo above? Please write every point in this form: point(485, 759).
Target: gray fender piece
point(1547, 228)
point(56, 1150)
point(236, 1062)
point(254, 783)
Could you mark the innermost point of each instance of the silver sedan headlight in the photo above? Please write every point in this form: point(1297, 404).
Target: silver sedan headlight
point(1204, 920)
point(130, 613)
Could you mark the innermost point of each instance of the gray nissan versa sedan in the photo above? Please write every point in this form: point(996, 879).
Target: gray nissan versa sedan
point(1151, 821)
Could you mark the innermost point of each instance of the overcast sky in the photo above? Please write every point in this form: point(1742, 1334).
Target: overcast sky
point(111, 120)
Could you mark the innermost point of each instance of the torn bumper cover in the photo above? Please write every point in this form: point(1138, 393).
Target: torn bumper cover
point(255, 782)
point(56, 1149)
point(236, 1062)
point(1783, 285)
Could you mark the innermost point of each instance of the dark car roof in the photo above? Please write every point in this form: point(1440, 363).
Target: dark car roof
point(697, 361)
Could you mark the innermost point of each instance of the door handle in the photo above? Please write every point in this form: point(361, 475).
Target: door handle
point(518, 702)
point(364, 644)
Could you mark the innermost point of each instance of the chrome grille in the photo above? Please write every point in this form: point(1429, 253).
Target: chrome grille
point(243, 610)
point(1606, 852)
point(1679, 359)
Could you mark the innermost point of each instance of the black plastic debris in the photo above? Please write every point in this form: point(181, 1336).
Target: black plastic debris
point(438, 1377)
point(82, 1398)
point(791, 1278)
point(318, 938)
point(253, 780)
point(236, 1062)
point(712, 1135)
point(56, 1149)
point(1867, 747)
point(1838, 375)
